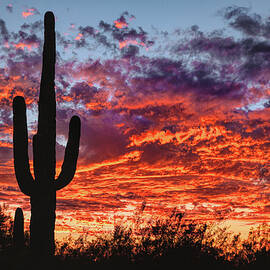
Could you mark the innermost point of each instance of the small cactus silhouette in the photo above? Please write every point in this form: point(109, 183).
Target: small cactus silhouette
point(42, 190)
point(18, 229)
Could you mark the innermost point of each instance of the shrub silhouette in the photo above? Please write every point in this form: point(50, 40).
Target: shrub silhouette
point(156, 245)
point(42, 190)
point(159, 244)
point(6, 228)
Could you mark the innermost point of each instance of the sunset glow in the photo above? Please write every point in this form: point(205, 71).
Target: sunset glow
point(184, 125)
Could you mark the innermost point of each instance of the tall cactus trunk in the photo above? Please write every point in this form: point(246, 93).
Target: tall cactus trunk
point(42, 223)
point(18, 230)
point(42, 190)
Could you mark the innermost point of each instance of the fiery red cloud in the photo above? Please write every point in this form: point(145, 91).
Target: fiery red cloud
point(165, 129)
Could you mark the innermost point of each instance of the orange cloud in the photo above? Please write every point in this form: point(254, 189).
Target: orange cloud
point(28, 46)
point(79, 36)
point(120, 24)
point(124, 43)
point(29, 12)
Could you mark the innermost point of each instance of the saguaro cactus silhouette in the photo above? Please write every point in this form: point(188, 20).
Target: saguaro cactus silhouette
point(18, 230)
point(42, 190)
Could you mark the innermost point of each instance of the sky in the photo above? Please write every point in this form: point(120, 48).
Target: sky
point(174, 101)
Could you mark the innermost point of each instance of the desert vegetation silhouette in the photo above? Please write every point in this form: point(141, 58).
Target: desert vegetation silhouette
point(42, 187)
point(163, 242)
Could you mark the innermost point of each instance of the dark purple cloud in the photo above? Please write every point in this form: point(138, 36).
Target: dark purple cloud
point(250, 24)
point(9, 8)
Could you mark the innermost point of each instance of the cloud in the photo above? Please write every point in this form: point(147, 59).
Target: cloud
point(3, 31)
point(34, 27)
point(249, 24)
point(6, 154)
point(184, 121)
point(111, 37)
point(30, 12)
point(9, 8)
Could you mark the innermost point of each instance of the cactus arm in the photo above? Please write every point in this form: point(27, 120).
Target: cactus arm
point(20, 147)
point(71, 154)
point(46, 160)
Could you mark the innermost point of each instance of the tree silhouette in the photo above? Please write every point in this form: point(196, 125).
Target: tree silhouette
point(42, 190)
